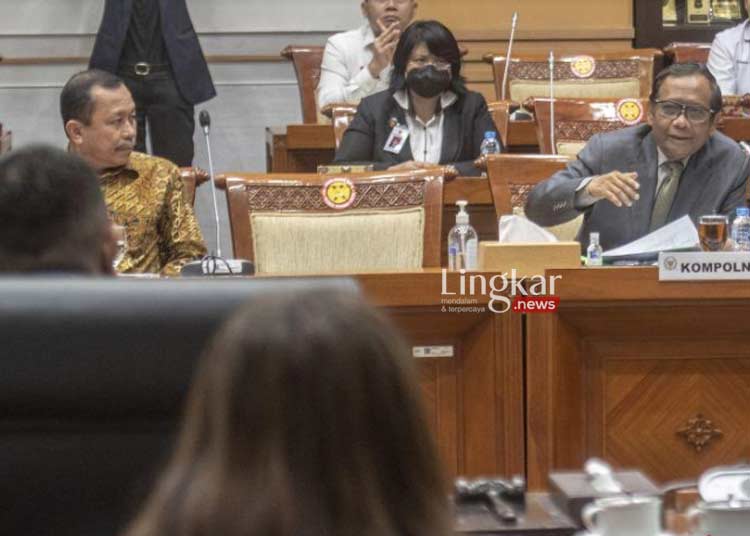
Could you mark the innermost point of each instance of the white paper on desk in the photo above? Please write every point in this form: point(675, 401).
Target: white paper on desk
point(679, 235)
point(520, 229)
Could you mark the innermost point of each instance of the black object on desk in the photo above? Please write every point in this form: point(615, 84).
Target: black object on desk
point(537, 515)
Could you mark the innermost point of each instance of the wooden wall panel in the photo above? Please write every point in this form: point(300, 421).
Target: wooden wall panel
point(572, 26)
point(538, 19)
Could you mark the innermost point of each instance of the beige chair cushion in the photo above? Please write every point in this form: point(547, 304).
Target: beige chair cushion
point(351, 242)
point(616, 88)
point(569, 148)
point(565, 232)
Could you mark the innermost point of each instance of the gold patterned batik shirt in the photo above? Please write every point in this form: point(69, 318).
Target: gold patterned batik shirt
point(146, 196)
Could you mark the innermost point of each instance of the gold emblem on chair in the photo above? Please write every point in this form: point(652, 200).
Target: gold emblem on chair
point(583, 66)
point(338, 193)
point(629, 111)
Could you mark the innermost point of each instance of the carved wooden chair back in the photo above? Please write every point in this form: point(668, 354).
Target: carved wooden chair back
point(309, 223)
point(306, 60)
point(500, 112)
point(577, 120)
point(607, 75)
point(192, 177)
point(513, 176)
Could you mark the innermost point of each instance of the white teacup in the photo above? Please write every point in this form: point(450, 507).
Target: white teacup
point(721, 518)
point(623, 516)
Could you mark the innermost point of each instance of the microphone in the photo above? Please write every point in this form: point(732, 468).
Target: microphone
point(205, 121)
point(552, 102)
point(513, 22)
point(215, 264)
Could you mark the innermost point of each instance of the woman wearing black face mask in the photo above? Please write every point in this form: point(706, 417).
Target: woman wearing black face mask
point(427, 117)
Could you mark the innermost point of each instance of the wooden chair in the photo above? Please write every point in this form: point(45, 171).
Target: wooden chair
point(192, 177)
point(513, 176)
point(611, 75)
point(290, 223)
point(680, 52)
point(576, 121)
point(500, 112)
point(306, 62)
point(341, 115)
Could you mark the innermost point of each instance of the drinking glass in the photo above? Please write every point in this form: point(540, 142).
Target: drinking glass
point(121, 241)
point(712, 230)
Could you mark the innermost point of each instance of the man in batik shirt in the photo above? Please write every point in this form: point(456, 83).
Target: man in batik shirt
point(143, 193)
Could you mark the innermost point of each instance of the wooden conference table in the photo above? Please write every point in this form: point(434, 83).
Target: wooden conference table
point(645, 374)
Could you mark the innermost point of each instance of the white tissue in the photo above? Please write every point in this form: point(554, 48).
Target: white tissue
point(520, 229)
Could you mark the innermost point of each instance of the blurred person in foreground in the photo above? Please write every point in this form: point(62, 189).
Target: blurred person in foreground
point(54, 217)
point(304, 418)
point(427, 117)
point(143, 193)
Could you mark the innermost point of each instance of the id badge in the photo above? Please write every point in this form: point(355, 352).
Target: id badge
point(396, 139)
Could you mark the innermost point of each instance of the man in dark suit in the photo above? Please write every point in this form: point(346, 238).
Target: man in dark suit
point(631, 182)
point(152, 46)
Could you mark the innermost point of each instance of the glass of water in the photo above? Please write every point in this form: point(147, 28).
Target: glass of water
point(121, 241)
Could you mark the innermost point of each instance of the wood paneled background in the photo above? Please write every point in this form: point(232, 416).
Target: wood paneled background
point(564, 26)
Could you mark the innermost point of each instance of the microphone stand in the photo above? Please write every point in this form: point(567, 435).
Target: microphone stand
point(213, 187)
point(552, 101)
point(513, 22)
point(211, 265)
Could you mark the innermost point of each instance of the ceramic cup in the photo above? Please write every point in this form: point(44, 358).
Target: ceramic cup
point(721, 518)
point(623, 516)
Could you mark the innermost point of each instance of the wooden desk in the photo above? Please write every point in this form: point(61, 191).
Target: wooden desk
point(641, 373)
point(474, 400)
point(302, 148)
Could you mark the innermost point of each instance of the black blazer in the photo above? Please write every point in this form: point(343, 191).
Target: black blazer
point(184, 51)
point(465, 123)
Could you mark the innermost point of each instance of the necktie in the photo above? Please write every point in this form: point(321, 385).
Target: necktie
point(665, 194)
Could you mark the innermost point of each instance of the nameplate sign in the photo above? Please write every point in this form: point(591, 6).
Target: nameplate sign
point(704, 266)
point(432, 351)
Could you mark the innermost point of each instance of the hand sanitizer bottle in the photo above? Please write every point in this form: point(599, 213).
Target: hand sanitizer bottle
point(594, 251)
point(462, 242)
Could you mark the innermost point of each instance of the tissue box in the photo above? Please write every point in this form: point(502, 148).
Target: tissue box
point(528, 259)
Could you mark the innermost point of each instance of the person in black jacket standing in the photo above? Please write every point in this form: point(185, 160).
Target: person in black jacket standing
point(153, 47)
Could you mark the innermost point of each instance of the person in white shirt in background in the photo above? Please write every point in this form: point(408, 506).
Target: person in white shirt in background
point(729, 59)
point(357, 63)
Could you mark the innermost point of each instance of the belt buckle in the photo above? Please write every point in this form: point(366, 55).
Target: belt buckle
point(142, 68)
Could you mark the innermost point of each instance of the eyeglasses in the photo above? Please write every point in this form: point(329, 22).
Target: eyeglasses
point(671, 110)
point(439, 64)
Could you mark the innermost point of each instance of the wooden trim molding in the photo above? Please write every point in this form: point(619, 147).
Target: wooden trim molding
point(66, 60)
point(547, 34)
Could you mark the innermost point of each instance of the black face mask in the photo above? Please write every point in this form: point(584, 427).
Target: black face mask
point(428, 81)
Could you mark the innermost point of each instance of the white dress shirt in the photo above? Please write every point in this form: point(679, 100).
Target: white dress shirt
point(344, 76)
point(729, 60)
point(425, 139)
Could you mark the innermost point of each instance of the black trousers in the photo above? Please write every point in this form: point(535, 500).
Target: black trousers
point(170, 117)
